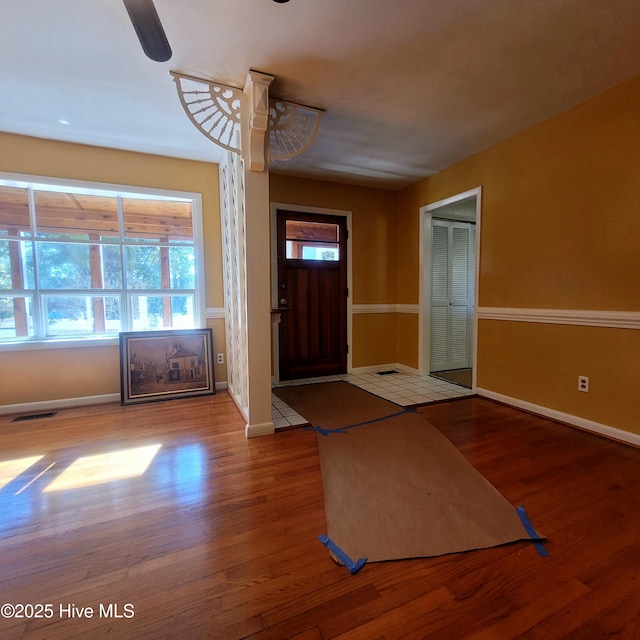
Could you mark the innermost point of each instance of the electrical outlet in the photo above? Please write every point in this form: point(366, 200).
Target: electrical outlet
point(220, 358)
point(583, 384)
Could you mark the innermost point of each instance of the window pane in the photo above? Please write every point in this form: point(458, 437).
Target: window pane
point(314, 231)
point(82, 315)
point(112, 313)
point(111, 266)
point(75, 216)
point(143, 267)
point(149, 313)
point(182, 265)
point(182, 311)
point(63, 265)
point(16, 265)
point(14, 212)
point(16, 317)
point(312, 240)
point(67, 315)
point(320, 252)
point(6, 281)
point(29, 267)
point(146, 313)
point(157, 219)
point(316, 251)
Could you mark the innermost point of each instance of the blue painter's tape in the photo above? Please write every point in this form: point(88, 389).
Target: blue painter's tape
point(353, 567)
point(533, 534)
point(327, 432)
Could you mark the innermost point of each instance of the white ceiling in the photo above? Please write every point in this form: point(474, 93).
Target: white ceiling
point(409, 86)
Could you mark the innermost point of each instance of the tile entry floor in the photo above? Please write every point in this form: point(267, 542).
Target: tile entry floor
point(402, 388)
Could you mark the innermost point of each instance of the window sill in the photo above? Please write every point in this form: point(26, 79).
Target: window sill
point(61, 343)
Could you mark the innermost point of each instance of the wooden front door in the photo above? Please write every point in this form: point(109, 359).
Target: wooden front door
point(312, 294)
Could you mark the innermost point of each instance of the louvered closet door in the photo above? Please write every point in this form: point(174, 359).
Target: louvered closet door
point(452, 295)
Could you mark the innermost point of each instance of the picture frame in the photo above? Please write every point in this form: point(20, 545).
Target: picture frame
point(164, 365)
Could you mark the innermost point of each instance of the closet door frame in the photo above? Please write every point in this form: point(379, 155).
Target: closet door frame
point(427, 213)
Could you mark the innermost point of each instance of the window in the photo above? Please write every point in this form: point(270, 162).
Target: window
point(79, 262)
point(312, 240)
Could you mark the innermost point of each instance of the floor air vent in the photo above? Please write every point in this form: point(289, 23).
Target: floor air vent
point(386, 373)
point(35, 416)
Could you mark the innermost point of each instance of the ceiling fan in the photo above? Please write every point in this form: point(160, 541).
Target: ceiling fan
point(149, 29)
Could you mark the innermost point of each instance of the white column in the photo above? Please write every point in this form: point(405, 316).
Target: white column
point(242, 121)
point(257, 229)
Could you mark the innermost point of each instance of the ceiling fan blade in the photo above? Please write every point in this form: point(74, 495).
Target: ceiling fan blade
point(149, 29)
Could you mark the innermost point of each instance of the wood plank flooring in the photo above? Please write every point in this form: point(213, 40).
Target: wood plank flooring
point(217, 538)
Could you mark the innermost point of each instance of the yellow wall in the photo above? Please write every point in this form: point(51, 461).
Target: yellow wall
point(540, 363)
point(374, 255)
point(560, 230)
point(50, 374)
point(406, 341)
point(374, 339)
point(408, 237)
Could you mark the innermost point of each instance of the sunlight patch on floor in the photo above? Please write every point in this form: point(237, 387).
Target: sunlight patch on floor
point(11, 469)
point(104, 467)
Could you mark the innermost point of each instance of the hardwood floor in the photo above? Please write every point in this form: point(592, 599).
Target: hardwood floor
point(217, 538)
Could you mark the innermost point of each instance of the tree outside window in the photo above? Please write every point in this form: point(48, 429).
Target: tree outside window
point(81, 262)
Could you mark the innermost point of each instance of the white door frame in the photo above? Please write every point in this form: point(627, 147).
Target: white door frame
point(427, 213)
point(275, 207)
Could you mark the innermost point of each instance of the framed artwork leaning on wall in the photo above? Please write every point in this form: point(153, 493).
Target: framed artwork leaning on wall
point(163, 365)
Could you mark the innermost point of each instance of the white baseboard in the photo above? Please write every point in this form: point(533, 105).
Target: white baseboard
point(385, 367)
point(261, 429)
point(252, 430)
point(64, 403)
point(403, 368)
point(372, 369)
point(67, 403)
point(244, 412)
point(581, 423)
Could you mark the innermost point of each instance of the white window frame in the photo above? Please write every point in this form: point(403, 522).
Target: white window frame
point(111, 189)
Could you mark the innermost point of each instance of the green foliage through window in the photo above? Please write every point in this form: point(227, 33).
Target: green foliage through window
point(78, 261)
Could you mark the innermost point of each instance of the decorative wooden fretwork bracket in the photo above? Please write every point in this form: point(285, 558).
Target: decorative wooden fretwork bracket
point(216, 111)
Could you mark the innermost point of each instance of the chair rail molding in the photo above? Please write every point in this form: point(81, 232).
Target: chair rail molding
point(213, 313)
point(385, 308)
point(580, 317)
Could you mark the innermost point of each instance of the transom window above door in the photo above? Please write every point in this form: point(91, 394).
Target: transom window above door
point(312, 241)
